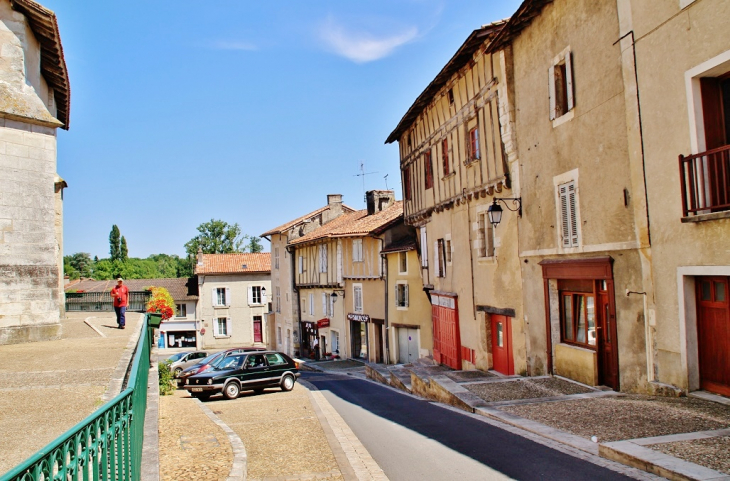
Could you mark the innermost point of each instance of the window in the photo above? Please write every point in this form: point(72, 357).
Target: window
point(407, 181)
point(275, 359)
point(424, 247)
point(357, 297)
point(568, 214)
point(221, 327)
point(473, 144)
point(403, 262)
point(323, 258)
point(221, 296)
point(304, 305)
point(276, 258)
point(438, 258)
point(401, 295)
point(560, 80)
point(278, 335)
point(485, 236)
point(301, 264)
point(448, 251)
point(428, 170)
point(451, 96)
point(445, 156)
point(181, 310)
point(311, 304)
point(357, 250)
point(325, 303)
point(335, 336)
point(578, 313)
point(254, 295)
point(278, 299)
point(332, 306)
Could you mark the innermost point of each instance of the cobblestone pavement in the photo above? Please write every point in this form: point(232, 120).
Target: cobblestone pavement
point(47, 387)
point(192, 447)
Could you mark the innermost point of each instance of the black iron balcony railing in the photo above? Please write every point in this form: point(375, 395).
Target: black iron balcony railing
point(705, 179)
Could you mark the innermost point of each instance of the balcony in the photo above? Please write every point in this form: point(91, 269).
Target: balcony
point(705, 179)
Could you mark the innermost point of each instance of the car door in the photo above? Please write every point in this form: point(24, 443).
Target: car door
point(278, 365)
point(255, 371)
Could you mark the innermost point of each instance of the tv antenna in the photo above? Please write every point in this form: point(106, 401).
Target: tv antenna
point(363, 174)
point(386, 181)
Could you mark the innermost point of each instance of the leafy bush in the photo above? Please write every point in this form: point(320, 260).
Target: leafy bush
point(166, 378)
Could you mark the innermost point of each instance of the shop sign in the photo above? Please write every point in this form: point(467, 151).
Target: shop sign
point(443, 301)
point(323, 323)
point(358, 317)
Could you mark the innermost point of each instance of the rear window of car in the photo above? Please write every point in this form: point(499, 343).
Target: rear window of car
point(275, 359)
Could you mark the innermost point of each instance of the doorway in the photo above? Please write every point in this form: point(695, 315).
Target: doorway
point(713, 333)
point(502, 344)
point(359, 339)
point(407, 345)
point(257, 329)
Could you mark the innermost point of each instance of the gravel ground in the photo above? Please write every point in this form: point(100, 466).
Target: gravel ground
point(508, 390)
point(713, 453)
point(465, 376)
point(629, 417)
point(561, 386)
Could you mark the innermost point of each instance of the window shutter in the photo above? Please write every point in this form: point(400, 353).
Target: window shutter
point(424, 248)
point(405, 295)
point(301, 264)
point(215, 327)
point(564, 215)
point(250, 295)
point(228, 296)
point(214, 296)
point(436, 265)
point(551, 91)
point(573, 217)
point(324, 304)
point(264, 297)
point(569, 79)
point(228, 326)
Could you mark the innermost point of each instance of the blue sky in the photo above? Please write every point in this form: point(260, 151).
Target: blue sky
point(249, 112)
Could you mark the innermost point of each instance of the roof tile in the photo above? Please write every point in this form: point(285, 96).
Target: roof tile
point(235, 263)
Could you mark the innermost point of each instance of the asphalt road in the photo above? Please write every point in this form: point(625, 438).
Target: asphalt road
point(413, 439)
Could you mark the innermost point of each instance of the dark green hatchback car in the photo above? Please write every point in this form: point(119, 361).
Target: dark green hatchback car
point(252, 371)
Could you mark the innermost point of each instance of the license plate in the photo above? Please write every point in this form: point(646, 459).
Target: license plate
point(197, 389)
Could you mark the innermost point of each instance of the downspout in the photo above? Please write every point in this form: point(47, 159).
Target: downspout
point(294, 290)
point(471, 255)
point(384, 275)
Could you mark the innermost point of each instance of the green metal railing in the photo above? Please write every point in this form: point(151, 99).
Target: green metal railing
point(106, 445)
point(102, 301)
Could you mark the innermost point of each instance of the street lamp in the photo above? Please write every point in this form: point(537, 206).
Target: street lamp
point(495, 210)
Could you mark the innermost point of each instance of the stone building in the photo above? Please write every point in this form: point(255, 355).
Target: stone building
point(34, 103)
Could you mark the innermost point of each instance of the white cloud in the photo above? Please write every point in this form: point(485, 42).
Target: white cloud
point(233, 45)
point(361, 47)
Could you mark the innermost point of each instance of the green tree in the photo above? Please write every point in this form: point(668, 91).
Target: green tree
point(254, 244)
point(115, 249)
point(123, 251)
point(79, 265)
point(216, 237)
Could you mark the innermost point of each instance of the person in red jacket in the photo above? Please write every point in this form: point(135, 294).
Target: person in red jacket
point(120, 296)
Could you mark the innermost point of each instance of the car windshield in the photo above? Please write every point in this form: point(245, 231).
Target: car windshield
point(229, 362)
point(176, 357)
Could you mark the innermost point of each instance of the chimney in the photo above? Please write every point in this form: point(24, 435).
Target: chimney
point(200, 256)
point(379, 200)
point(334, 201)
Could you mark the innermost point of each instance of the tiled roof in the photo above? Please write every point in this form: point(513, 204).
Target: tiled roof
point(181, 289)
point(355, 224)
point(298, 220)
point(235, 263)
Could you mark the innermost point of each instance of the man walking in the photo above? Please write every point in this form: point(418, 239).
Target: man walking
point(120, 296)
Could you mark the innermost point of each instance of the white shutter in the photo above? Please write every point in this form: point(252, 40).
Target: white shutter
point(250, 295)
point(324, 305)
point(564, 215)
point(569, 79)
point(215, 327)
point(228, 296)
point(573, 214)
point(358, 299)
point(339, 262)
point(264, 297)
point(301, 264)
point(214, 296)
point(311, 304)
point(436, 265)
point(405, 295)
point(228, 326)
point(424, 248)
point(551, 90)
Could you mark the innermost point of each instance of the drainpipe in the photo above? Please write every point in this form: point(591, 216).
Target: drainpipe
point(384, 260)
point(294, 290)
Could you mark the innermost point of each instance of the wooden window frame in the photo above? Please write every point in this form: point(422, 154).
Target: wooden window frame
point(401, 295)
point(407, 182)
point(403, 263)
point(428, 170)
point(357, 307)
point(485, 236)
point(445, 157)
point(560, 85)
point(357, 251)
point(473, 144)
point(573, 299)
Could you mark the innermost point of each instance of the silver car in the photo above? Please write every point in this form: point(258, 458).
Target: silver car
point(183, 360)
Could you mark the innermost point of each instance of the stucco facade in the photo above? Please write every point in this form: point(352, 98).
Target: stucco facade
point(31, 215)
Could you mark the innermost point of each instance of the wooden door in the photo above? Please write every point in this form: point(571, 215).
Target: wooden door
point(713, 333)
point(606, 338)
point(502, 344)
point(446, 340)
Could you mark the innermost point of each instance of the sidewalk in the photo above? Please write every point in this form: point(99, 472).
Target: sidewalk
point(48, 387)
point(677, 438)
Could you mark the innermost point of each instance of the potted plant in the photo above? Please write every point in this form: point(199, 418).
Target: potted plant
point(159, 307)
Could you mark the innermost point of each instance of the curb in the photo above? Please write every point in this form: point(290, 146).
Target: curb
point(119, 376)
point(151, 444)
point(240, 458)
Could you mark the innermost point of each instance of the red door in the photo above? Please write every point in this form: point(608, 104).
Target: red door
point(606, 336)
point(446, 341)
point(257, 335)
point(502, 344)
point(713, 333)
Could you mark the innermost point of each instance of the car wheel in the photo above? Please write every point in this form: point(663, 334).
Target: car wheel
point(287, 383)
point(203, 396)
point(177, 372)
point(231, 391)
